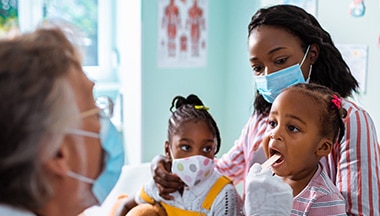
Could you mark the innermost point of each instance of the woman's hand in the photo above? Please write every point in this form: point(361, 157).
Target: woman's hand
point(166, 182)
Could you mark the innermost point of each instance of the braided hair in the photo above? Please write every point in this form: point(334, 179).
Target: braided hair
point(331, 113)
point(191, 109)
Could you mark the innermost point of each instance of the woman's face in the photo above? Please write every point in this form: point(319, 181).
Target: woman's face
point(272, 49)
point(293, 128)
point(195, 138)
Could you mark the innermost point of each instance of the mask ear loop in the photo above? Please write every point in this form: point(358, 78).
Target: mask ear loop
point(308, 77)
point(80, 177)
point(171, 154)
point(304, 57)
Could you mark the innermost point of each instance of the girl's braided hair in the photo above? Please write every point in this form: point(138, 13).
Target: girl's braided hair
point(188, 109)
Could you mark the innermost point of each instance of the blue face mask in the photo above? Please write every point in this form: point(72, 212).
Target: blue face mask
point(271, 85)
point(113, 159)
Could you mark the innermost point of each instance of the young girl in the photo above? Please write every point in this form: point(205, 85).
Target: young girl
point(193, 141)
point(304, 122)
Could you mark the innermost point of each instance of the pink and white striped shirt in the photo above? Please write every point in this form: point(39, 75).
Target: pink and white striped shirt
point(319, 197)
point(353, 165)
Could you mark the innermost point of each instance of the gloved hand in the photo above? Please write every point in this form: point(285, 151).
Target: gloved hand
point(266, 194)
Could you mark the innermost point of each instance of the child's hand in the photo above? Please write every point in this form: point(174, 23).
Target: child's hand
point(266, 194)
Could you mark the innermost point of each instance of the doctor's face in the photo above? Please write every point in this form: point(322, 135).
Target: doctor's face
point(86, 152)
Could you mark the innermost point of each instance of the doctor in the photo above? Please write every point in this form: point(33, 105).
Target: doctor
point(56, 145)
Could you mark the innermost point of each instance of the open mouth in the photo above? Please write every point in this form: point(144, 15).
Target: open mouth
point(275, 152)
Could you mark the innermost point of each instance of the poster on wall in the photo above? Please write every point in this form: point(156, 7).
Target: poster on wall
point(309, 5)
point(355, 56)
point(182, 33)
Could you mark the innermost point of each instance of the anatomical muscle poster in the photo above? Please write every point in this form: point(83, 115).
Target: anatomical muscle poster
point(182, 33)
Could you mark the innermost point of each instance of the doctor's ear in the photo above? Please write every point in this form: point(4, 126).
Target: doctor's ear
point(59, 163)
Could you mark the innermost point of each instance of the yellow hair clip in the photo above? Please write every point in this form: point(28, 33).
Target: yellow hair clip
point(201, 107)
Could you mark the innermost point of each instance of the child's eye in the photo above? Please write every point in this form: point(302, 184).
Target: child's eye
point(185, 147)
point(272, 124)
point(207, 149)
point(293, 128)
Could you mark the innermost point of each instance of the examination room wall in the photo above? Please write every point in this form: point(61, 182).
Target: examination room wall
point(225, 83)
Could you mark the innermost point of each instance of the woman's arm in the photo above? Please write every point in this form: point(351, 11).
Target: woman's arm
point(236, 162)
point(357, 163)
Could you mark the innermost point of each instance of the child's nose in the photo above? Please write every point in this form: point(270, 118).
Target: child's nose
point(276, 134)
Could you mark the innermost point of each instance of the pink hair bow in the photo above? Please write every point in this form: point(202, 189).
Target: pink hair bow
point(336, 101)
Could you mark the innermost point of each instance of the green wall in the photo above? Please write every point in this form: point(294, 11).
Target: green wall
point(225, 84)
point(219, 84)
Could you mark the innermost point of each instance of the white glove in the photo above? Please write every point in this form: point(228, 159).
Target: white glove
point(266, 194)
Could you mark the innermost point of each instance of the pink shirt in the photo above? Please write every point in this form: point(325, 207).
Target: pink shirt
point(319, 197)
point(353, 165)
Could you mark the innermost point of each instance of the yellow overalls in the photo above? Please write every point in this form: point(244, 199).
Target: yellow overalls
point(207, 202)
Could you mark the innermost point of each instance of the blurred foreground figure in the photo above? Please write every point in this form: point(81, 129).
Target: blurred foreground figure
point(59, 153)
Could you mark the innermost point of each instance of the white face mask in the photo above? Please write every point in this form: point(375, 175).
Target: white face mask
point(193, 170)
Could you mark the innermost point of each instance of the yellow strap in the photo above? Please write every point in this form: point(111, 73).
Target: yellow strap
point(214, 191)
point(172, 210)
point(207, 203)
point(146, 197)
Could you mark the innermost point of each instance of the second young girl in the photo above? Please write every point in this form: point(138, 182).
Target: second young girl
point(193, 141)
point(304, 122)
